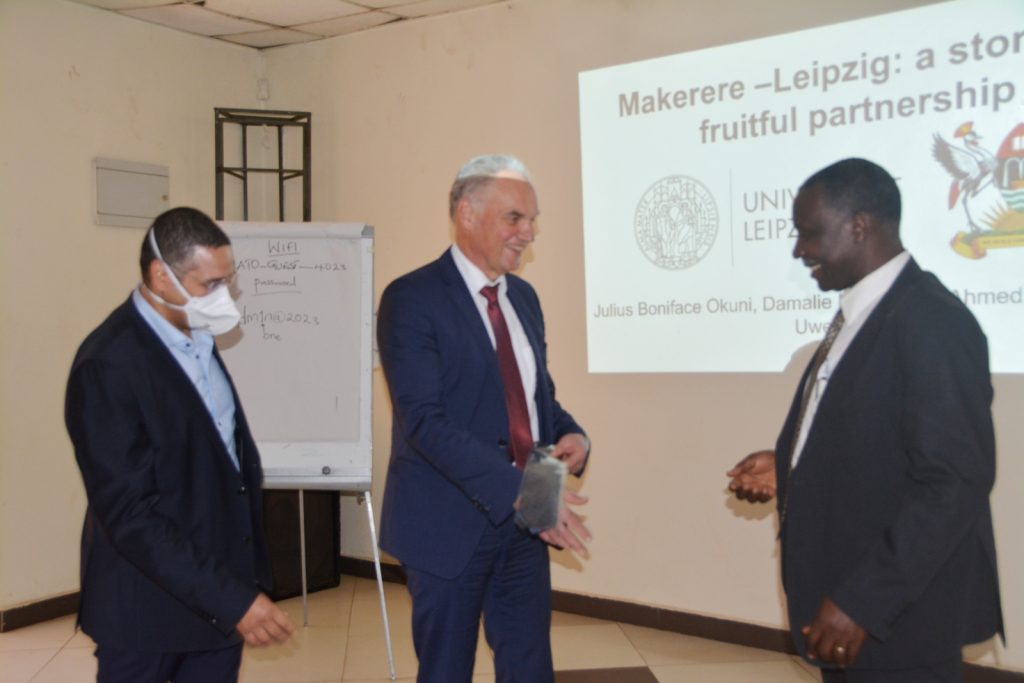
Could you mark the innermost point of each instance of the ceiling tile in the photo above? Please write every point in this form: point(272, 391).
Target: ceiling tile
point(124, 4)
point(271, 38)
point(381, 4)
point(431, 7)
point(253, 22)
point(356, 22)
point(195, 19)
point(281, 13)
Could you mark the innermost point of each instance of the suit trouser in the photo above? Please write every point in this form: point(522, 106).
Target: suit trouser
point(508, 579)
point(208, 666)
point(948, 672)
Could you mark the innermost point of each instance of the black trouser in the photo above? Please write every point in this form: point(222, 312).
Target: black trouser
point(210, 666)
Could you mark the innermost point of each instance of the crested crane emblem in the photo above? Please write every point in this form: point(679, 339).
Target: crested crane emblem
point(975, 173)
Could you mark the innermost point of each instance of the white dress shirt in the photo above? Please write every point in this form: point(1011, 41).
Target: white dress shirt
point(857, 303)
point(475, 281)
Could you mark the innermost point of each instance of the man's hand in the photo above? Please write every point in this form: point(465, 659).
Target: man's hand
point(264, 623)
point(569, 533)
point(572, 449)
point(833, 637)
point(753, 478)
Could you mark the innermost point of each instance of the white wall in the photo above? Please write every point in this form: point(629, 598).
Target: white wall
point(78, 83)
point(395, 111)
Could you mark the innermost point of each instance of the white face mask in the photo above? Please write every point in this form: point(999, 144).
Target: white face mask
point(214, 312)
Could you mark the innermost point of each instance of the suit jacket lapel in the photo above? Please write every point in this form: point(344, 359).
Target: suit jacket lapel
point(174, 380)
point(527, 315)
point(848, 371)
point(843, 380)
point(458, 293)
point(478, 337)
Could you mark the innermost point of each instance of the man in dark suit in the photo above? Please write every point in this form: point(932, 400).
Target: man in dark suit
point(885, 463)
point(173, 554)
point(466, 366)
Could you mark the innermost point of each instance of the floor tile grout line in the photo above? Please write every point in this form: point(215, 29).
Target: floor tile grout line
point(633, 645)
point(74, 633)
point(351, 597)
point(762, 656)
point(43, 667)
point(32, 649)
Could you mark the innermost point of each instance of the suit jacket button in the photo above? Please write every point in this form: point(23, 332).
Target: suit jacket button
point(242, 490)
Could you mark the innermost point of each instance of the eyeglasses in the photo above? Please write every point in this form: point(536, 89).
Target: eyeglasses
point(207, 285)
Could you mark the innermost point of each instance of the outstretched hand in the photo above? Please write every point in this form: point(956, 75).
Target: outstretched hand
point(753, 478)
point(569, 533)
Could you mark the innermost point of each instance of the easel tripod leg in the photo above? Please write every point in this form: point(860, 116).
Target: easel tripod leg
point(302, 552)
point(380, 585)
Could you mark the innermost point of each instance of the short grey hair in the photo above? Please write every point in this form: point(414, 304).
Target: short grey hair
point(481, 170)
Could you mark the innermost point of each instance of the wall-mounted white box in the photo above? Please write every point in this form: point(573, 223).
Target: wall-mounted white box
point(129, 193)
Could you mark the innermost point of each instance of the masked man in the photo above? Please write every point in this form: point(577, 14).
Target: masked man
point(173, 556)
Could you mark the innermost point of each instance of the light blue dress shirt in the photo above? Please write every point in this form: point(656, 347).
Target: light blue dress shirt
point(195, 356)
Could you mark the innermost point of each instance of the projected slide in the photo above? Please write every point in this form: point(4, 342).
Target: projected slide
point(690, 164)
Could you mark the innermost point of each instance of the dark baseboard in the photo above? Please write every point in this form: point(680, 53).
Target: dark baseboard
point(974, 673)
point(712, 628)
point(39, 611)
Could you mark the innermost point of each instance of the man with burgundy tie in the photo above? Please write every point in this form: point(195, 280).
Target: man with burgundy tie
point(885, 463)
point(462, 346)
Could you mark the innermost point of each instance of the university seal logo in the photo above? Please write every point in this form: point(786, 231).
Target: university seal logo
point(988, 187)
point(676, 222)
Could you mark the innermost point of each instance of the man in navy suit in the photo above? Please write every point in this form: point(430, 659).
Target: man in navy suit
point(885, 463)
point(447, 333)
point(173, 556)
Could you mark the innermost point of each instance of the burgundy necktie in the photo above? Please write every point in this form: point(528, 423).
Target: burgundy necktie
point(520, 434)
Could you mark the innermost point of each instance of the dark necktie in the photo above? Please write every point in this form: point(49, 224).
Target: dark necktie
point(520, 434)
point(809, 383)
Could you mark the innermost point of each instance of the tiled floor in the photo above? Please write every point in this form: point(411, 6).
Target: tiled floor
point(345, 642)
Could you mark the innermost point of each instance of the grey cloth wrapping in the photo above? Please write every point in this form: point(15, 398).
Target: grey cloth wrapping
point(540, 494)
